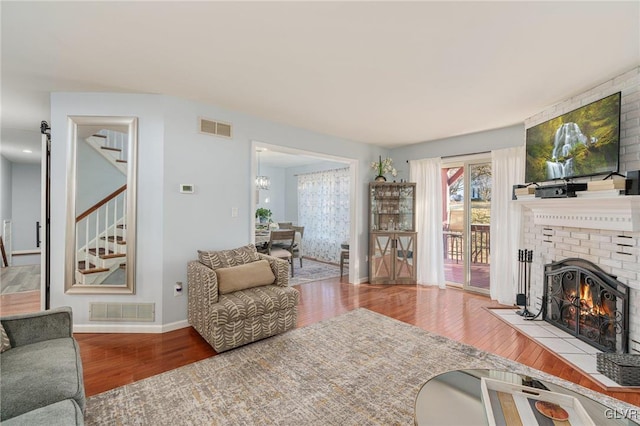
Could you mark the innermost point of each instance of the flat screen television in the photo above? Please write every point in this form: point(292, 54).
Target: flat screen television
point(583, 142)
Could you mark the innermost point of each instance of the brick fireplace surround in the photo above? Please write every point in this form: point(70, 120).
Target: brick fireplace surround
point(613, 246)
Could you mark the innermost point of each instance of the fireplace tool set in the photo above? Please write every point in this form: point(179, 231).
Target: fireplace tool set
point(525, 257)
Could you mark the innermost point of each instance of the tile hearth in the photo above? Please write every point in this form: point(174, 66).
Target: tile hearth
point(566, 346)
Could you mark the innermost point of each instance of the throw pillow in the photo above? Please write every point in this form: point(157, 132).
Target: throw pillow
point(241, 277)
point(5, 343)
point(228, 258)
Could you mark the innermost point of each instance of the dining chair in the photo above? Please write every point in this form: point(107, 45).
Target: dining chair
point(344, 256)
point(297, 247)
point(285, 225)
point(281, 245)
point(455, 233)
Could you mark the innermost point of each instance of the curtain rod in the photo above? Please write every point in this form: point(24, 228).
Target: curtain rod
point(321, 171)
point(464, 155)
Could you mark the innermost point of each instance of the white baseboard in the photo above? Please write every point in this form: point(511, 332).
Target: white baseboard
point(129, 328)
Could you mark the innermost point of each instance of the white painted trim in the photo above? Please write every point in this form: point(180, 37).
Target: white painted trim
point(618, 213)
point(129, 328)
point(175, 326)
point(25, 252)
point(362, 280)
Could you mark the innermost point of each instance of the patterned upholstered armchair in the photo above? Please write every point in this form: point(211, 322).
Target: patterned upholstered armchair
point(239, 296)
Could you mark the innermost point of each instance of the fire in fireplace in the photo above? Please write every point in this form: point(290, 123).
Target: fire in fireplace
point(583, 300)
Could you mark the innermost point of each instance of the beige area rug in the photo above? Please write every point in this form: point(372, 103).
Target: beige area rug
point(313, 271)
point(359, 368)
point(16, 279)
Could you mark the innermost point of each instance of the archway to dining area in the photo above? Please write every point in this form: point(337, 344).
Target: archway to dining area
point(294, 198)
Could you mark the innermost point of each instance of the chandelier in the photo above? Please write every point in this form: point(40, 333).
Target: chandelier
point(262, 182)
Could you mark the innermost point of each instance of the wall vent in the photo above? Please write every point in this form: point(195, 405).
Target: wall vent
point(214, 127)
point(122, 311)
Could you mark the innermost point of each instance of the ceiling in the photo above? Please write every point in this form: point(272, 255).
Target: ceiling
point(383, 73)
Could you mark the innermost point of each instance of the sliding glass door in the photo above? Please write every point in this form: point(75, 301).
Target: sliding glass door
point(467, 213)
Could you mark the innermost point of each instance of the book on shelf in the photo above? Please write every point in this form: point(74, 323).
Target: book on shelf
point(601, 193)
point(524, 191)
point(603, 185)
point(525, 197)
point(508, 403)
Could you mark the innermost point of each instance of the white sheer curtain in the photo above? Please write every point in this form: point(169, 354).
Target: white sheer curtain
point(430, 262)
point(323, 210)
point(506, 223)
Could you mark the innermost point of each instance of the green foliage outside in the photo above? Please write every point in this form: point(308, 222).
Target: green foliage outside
point(480, 215)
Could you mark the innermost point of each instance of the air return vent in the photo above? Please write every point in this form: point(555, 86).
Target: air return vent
point(122, 311)
point(213, 127)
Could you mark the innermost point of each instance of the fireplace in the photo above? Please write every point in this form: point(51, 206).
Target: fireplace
point(586, 302)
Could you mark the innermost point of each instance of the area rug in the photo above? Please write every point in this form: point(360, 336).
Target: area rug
point(359, 368)
point(16, 279)
point(314, 271)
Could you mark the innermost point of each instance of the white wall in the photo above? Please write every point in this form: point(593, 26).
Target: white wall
point(5, 190)
point(616, 252)
point(96, 177)
point(173, 226)
point(486, 141)
point(25, 205)
point(149, 277)
point(273, 198)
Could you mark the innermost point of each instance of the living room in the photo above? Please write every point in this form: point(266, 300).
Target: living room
point(173, 225)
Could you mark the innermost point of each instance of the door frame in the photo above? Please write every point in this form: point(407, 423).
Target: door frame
point(466, 161)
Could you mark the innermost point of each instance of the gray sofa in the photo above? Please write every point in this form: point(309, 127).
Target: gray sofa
point(41, 381)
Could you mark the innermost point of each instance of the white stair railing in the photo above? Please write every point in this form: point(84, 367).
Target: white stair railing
point(102, 229)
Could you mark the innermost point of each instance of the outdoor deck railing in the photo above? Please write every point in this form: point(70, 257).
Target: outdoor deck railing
point(480, 244)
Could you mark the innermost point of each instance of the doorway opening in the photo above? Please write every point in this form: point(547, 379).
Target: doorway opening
point(286, 169)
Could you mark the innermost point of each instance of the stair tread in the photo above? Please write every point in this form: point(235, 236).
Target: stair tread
point(99, 136)
point(121, 161)
point(82, 265)
point(93, 270)
point(108, 148)
point(101, 251)
point(118, 239)
point(113, 255)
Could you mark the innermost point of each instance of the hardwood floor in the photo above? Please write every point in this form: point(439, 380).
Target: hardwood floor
point(112, 360)
point(19, 303)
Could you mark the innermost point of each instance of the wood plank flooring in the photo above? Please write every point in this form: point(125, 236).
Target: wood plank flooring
point(112, 360)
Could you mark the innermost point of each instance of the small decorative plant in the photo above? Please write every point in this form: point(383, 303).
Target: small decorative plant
point(263, 214)
point(382, 167)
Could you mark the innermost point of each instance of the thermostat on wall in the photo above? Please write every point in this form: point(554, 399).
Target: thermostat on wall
point(186, 188)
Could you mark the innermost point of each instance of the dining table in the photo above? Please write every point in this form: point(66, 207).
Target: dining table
point(262, 237)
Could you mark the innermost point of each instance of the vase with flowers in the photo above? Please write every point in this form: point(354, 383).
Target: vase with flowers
point(382, 167)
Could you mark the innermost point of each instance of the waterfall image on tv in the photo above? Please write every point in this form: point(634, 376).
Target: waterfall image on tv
point(582, 142)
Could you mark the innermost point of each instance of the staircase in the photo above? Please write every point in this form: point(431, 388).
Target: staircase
point(112, 146)
point(101, 233)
